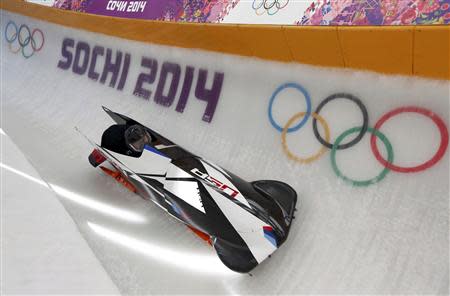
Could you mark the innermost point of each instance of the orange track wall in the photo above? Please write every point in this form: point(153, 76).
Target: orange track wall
point(407, 50)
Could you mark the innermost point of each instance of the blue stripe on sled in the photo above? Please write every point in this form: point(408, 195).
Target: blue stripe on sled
point(270, 236)
point(271, 239)
point(154, 150)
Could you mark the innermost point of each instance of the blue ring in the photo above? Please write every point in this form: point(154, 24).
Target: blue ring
point(255, 8)
point(14, 36)
point(308, 106)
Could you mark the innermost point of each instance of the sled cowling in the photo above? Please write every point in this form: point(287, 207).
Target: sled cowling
point(282, 194)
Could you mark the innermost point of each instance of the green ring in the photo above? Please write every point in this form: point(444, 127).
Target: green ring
point(26, 55)
point(374, 180)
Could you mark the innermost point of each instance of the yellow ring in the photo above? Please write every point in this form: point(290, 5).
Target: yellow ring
point(11, 48)
point(263, 10)
point(284, 142)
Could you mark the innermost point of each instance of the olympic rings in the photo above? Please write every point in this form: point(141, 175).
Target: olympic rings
point(362, 131)
point(259, 6)
point(270, 6)
point(375, 133)
point(308, 106)
point(14, 50)
point(284, 142)
point(262, 6)
point(11, 40)
point(33, 42)
point(436, 157)
point(23, 40)
point(27, 40)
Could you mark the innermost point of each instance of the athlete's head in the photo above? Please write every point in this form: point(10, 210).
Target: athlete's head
point(136, 137)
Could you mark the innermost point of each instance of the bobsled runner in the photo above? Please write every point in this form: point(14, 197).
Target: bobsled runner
point(245, 222)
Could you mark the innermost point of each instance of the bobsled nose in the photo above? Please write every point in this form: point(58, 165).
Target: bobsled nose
point(283, 195)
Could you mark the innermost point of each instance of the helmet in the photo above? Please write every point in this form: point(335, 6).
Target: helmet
point(136, 137)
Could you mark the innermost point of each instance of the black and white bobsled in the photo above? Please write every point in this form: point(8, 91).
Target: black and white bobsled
point(244, 221)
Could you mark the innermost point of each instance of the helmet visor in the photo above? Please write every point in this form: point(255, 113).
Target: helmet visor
point(136, 138)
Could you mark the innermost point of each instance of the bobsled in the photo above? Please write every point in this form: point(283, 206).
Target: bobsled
point(245, 222)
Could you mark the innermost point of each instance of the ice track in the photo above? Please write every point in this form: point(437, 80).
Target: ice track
point(388, 237)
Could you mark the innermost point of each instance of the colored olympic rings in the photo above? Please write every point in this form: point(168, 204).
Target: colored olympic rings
point(436, 157)
point(375, 133)
point(362, 131)
point(285, 130)
point(25, 39)
point(269, 6)
point(359, 131)
point(25, 42)
point(308, 107)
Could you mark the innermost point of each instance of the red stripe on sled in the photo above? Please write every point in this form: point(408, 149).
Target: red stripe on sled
point(119, 178)
point(201, 234)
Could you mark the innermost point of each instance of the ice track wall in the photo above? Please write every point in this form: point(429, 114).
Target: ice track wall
point(384, 232)
point(407, 50)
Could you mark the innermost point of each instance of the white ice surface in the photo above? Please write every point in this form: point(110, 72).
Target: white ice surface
point(42, 250)
point(391, 237)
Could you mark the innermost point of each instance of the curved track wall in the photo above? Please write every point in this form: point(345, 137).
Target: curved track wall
point(406, 50)
point(387, 234)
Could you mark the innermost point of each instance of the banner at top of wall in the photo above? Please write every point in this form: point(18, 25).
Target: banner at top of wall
point(202, 11)
point(282, 12)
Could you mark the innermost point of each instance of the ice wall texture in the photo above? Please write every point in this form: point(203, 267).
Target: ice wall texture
point(319, 12)
point(388, 235)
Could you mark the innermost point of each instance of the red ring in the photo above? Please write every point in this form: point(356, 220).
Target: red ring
point(439, 154)
point(32, 37)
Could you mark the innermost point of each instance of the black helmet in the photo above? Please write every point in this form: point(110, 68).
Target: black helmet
point(136, 137)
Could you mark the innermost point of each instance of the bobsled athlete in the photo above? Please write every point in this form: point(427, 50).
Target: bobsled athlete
point(136, 137)
point(126, 139)
point(245, 222)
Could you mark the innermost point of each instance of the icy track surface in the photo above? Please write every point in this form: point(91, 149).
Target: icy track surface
point(42, 249)
point(388, 237)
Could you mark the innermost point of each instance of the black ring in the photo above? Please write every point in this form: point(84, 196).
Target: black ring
point(363, 128)
point(273, 4)
point(27, 40)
